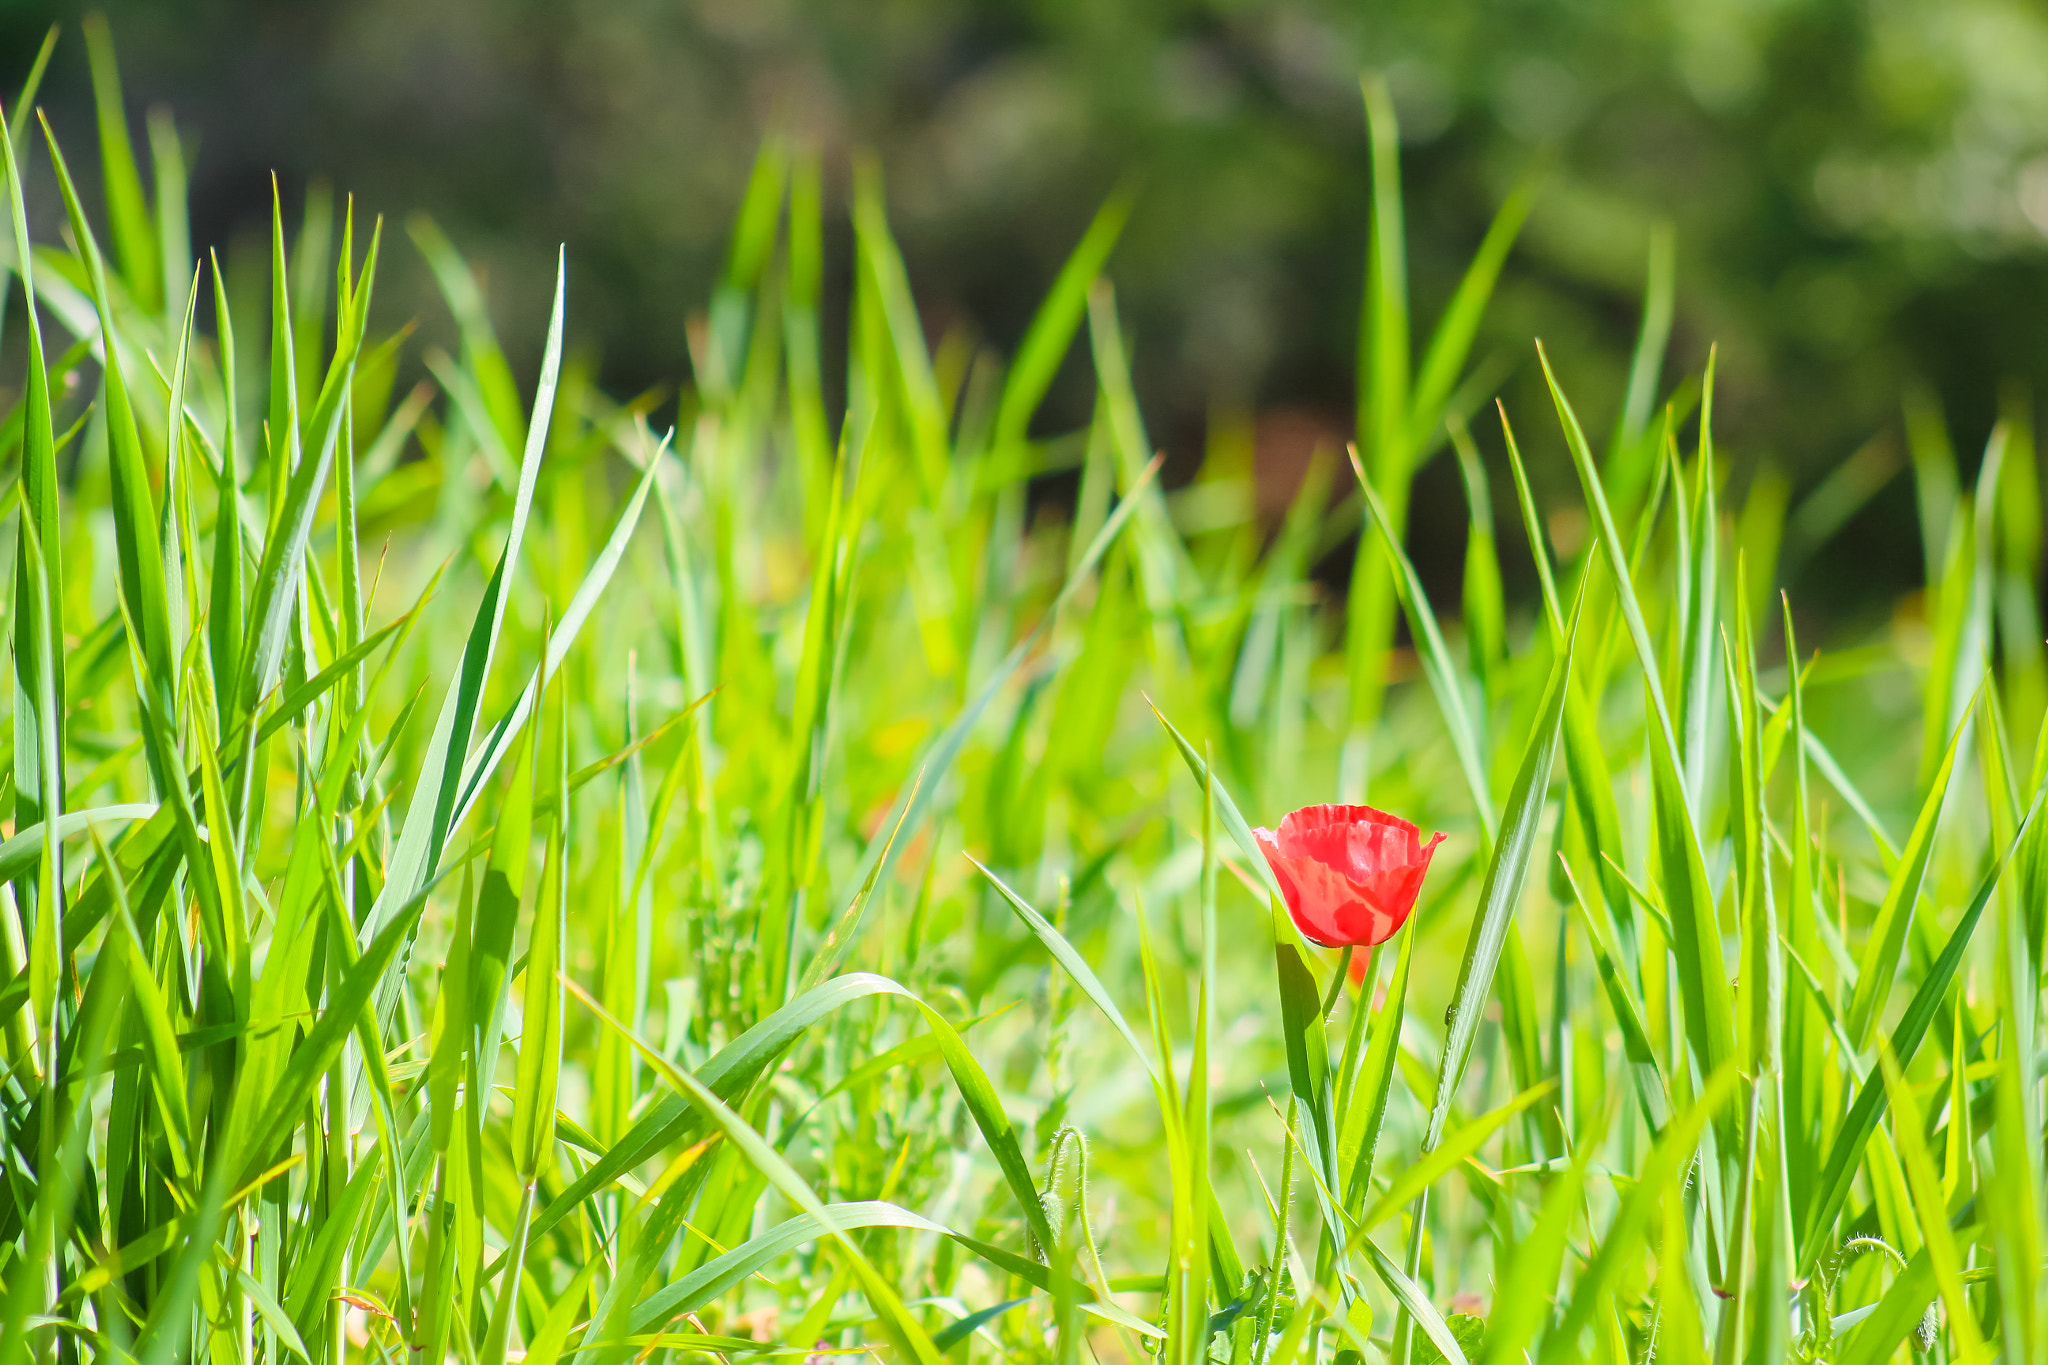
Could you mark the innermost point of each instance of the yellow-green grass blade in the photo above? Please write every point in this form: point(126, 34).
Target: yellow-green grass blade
point(1646, 364)
point(1364, 1117)
point(1706, 998)
point(1846, 1153)
point(1449, 1154)
point(801, 338)
point(1485, 626)
point(1186, 1320)
point(712, 1279)
point(936, 761)
point(1053, 326)
point(903, 1330)
point(135, 512)
point(281, 566)
point(430, 817)
point(588, 595)
point(1924, 1184)
point(1501, 891)
point(1193, 1286)
point(1887, 941)
point(540, 1043)
point(35, 648)
point(1451, 343)
point(1308, 1071)
point(1384, 404)
point(135, 246)
point(1163, 572)
point(1226, 809)
point(1445, 682)
point(1415, 1303)
point(1526, 1290)
point(26, 100)
point(482, 358)
point(1622, 1242)
point(909, 359)
point(166, 1064)
point(1699, 609)
point(1897, 1315)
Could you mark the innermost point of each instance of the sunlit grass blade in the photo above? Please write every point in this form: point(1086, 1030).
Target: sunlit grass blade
point(1365, 1117)
point(1880, 965)
point(1501, 891)
point(938, 757)
point(1444, 679)
point(1622, 1241)
point(1451, 343)
point(1706, 998)
point(1053, 327)
point(1847, 1151)
point(1645, 364)
point(1925, 1184)
point(1451, 1153)
point(121, 180)
point(902, 1328)
point(1531, 1281)
point(430, 816)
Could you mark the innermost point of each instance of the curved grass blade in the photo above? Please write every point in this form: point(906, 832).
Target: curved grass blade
point(1451, 343)
point(1440, 1160)
point(730, 1072)
point(1624, 1238)
point(903, 1329)
point(431, 816)
point(1414, 1300)
point(1501, 892)
point(1053, 327)
point(1444, 681)
point(936, 762)
point(1708, 1001)
point(1847, 1152)
point(1358, 1137)
point(1887, 941)
point(1523, 1300)
point(1923, 1183)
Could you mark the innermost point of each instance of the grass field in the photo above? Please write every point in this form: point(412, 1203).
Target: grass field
point(490, 879)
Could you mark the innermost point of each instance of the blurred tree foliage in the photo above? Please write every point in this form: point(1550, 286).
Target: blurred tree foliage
point(1859, 187)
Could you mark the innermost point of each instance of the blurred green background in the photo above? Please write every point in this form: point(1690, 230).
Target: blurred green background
point(1859, 190)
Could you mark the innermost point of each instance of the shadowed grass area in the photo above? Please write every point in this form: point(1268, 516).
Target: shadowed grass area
point(491, 880)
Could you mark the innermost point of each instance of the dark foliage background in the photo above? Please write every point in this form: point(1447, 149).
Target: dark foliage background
point(1859, 187)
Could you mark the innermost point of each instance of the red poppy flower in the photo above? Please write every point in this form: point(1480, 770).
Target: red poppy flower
point(1350, 873)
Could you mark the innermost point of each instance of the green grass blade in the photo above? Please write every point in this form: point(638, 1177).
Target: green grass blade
point(902, 1329)
point(1924, 1183)
point(121, 180)
point(1847, 1151)
point(1053, 327)
point(1501, 892)
point(430, 818)
point(540, 1043)
point(938, 758)
point(1365, 1117)
point(1623, 1240)
point(1451, 342)
point(1899, 1313)
point(1414, 1300)
point(1646, 364)
point(1452, 1152)
point(1444, 680)
point(144, 592)
point(1531, 1280)
point(1887, 941)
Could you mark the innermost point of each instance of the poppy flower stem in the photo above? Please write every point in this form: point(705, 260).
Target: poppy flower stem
point(1337, 981)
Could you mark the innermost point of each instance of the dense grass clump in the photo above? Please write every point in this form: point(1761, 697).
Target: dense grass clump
point(488, 880)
